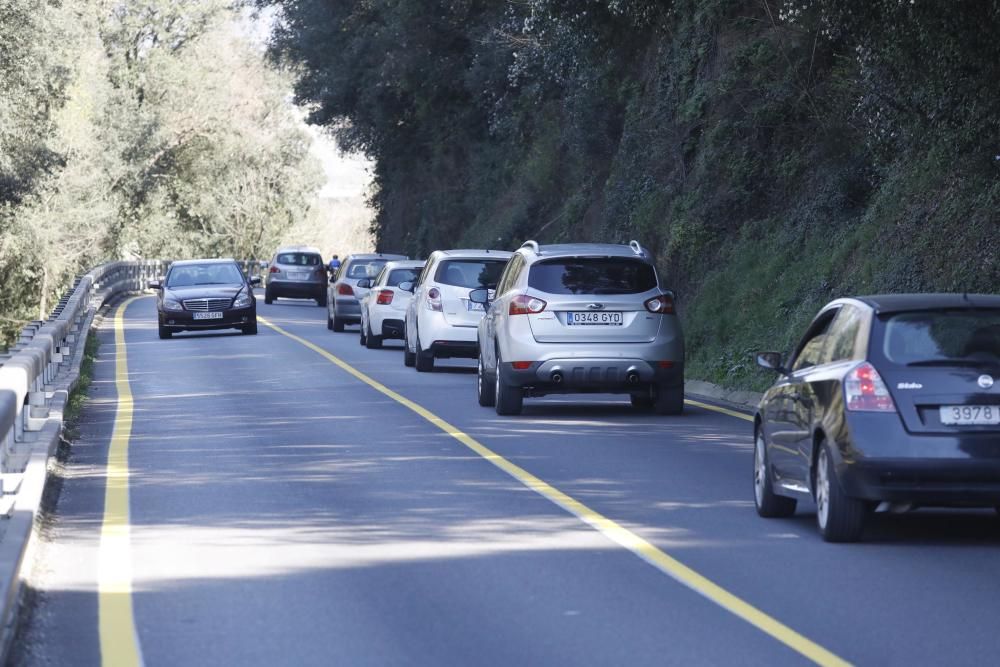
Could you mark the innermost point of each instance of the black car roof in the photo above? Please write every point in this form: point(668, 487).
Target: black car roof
point(898, 303)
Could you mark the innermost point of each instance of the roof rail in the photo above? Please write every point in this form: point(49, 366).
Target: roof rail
point(636, 248)
point(533, 245)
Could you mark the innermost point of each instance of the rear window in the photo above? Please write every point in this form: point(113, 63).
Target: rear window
point(471, 273)
point(299, 259)
point(401, 276)
point(365, 268)
point(592, 275)
point(962, 336)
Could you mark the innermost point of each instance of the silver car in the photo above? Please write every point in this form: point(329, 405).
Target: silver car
point(441, 321)
point(343, 302)
point(580, 318)
point(383, 309)
point(297, 272)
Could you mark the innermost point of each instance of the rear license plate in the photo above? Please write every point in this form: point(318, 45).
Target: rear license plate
point(473, 306)
point(208, 316)
point(298, 275)
point(970, 415)
point(612, 319)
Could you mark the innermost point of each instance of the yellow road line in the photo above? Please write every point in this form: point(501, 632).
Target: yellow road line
point(119, 641)
point(716, 408)
point(611, 529)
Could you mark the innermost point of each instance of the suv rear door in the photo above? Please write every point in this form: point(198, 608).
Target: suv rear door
point(594, 300)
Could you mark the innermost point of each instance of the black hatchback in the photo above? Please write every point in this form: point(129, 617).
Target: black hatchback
point(887, 403)
point(202, 294)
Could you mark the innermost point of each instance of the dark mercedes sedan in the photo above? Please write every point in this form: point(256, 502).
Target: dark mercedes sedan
point(886, 404)
point(201, 294)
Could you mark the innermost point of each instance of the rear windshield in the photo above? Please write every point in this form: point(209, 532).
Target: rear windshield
point(942, 337)
point(365, 268)
point(402, 275)
point(204, 274)
point(471, 273)
point(299, 259)
point(592, 275)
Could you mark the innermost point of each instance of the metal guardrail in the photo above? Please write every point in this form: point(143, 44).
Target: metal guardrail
point(37, 375)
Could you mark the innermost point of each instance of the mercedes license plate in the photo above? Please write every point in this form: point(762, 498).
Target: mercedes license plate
point(613, 319)
point(970, 415)
point(208, 316)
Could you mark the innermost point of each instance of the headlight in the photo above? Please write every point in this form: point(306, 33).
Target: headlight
point(170, 303)
point(243, 300)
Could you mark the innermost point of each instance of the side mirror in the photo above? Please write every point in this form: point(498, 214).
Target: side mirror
point(255, 281)
point(407, 286)
point(481, 295)
point(155, 284)
point(365, 283)
point(771, 361)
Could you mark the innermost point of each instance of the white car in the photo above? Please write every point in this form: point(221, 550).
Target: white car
point(441, 321)
point(384, 306)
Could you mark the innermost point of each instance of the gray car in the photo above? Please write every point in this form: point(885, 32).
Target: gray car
point(296, 272)
point(580, 318)
point(343, 294)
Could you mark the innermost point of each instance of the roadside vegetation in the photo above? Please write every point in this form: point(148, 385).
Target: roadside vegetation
point(148, 128)
point(775, 154)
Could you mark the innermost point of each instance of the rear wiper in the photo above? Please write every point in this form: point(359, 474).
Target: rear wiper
point(956, 362)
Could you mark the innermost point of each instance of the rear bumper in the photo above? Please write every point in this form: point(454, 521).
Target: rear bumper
point(295, 289)
point(392, 328)
point(595, 374)
point(925, 481)
point(444, 349)
point(347, 309)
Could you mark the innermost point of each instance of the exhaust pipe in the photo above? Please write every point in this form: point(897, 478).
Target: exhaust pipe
point(632, 377)
point(556, 377)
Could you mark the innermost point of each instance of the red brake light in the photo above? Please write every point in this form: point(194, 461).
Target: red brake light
point(864, 390)
point(274, 269)
point(521, 365)
point(434, 299)
point(663, 304)
point(345, 290)
point(525, 305)
point(384, 297)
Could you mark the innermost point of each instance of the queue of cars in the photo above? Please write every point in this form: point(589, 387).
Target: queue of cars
point(887, 403)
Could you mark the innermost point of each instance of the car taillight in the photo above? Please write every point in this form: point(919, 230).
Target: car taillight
point(384, 297)
point(864, 391)
point(525, 305)
point(663, 304)
point(434, 299)
point(321, 273)
point(521, 365)
point(275, 269)
point(345, 290)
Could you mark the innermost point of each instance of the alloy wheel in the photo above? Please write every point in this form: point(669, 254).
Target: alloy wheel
point(759, 471)
point(823, 488)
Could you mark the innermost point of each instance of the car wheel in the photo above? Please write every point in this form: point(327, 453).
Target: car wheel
point(840, 518)
point(165, 332)
point(268, 297)
point(409, 358)
point(485, 386)
point(337, 324)
point(669, 400)
point(509, 400)
point(641, 401)
point(424, 360)
point(329, 321)
point(321, 301)
point(250, 329)
point(768, 503)
point(362, 337)
point(372, 342)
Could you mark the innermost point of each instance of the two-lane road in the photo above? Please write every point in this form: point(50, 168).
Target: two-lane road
point(294, 498)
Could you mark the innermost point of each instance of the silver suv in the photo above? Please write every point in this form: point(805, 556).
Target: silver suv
point(297, 272)
point(343, 302)
point(580, 318)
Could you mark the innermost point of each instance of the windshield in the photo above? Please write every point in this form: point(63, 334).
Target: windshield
point(471, 273)
point(365, 268)
point(592, 275)
point(959, 336)
point(204, 274)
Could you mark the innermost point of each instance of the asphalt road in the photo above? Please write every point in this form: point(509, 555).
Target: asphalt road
point(283, 511)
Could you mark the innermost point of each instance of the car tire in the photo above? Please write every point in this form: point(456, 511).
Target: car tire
point(268, 297)
point(372, 342)
point(321, 301)
point(362, 336)
point(643, 402)
point(769, 504)
point(669, 400)
point(839, 517)
point(425, 360)
point(165, 332)
point(329, 321)
point(337, 324)
point(485, 386)
point(509, 400)
point(250, 329)
point(409, 358)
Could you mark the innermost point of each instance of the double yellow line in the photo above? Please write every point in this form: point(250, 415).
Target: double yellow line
point(611, 529)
